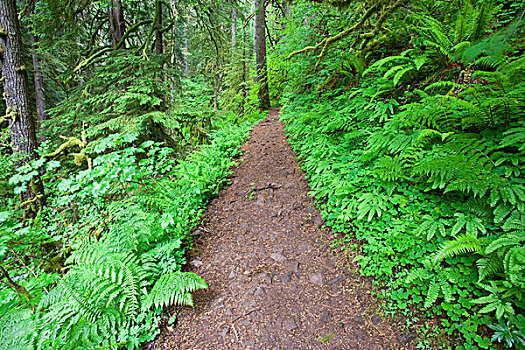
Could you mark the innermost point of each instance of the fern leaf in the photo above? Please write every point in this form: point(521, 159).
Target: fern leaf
point(432, 293)
point(462, 244)
point(173, 289)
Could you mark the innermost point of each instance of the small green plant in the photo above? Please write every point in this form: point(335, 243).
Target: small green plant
point(506, 332)
point(251, 194)
point(326, 338)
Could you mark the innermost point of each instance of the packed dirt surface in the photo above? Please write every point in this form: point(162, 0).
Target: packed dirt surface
point(274, 280)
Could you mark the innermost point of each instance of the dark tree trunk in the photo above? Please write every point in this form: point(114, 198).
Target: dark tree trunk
point(244, 70)
point(39, 81)
point(173, 59)
point(260, 53)
point(216, 88)
point(16, 94)
point(39, 85)
point(117, 24)
point(186, 51)
point(159, 46)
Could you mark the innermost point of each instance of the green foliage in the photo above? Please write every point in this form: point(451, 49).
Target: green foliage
point(397, 72)
point(122, 232)
point(505, 332)
point(174, 289)
point(419, 155)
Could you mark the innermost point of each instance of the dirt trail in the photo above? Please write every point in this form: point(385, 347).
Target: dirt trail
point(274, 282)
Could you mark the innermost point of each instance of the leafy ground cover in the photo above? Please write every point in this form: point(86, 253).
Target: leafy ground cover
point(419, 156)
point(115, 235)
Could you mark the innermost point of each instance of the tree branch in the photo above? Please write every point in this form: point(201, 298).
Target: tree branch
point(20, 290)
point(330, 40)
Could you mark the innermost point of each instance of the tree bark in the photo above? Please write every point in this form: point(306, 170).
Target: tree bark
point(173, 59)
point(39, 81)
point(17, 97)
point(260, 54)
point(186, 51)
point(244, 70)
point(216, 86)
point(117, 24)
point(159, 45)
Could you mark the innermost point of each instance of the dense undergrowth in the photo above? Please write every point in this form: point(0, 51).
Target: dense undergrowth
point(100, 262)
point(417, 151)
point(123, 227)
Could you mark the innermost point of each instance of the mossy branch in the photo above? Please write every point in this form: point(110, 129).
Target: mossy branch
point(154, 27)
point(379, 26)
point(105, 49)
point(20, 290)
point(330, 40)
point(362, 38)
point(71, 142)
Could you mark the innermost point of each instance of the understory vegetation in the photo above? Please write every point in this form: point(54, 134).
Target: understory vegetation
point(121, 227)
point(414, 148)
point(96, 222)
point(123, 118)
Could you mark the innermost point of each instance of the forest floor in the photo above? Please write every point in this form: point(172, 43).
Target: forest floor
point(275, 282)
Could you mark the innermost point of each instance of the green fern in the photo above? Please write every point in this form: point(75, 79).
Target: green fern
point(470, 26)
point(430, 226)
point(397, 72)
point(391, 168)
point(497, 301)
point(370, 205)
point(439, 283)
point(509, 250)
point(472, 224)
point(515, 137)
point(465, 243)
point(16, 329)
point(173, 289)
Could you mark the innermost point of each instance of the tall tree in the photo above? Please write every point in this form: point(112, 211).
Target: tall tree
point(186, 50)
point(159, 45)
point(17, 97)
point(260, 53)
point(117, 24)
point(285, 7)
point(37, 74)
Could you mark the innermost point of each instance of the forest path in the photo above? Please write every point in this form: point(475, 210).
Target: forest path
point(274, 282)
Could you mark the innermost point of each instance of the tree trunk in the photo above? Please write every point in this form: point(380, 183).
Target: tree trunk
point(117, 24)
point(16, 94)
point(159, 46)
point(244, 70)
point(39, 81)
point(173, 60)
point(216, 87)
point(260, 54)
point(186, 51)
point(39, 86)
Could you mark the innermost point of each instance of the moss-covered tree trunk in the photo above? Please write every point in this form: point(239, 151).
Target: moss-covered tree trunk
point(234, 27)
point(17, 97)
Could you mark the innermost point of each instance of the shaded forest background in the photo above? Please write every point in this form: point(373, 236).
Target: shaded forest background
point(123, 117)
